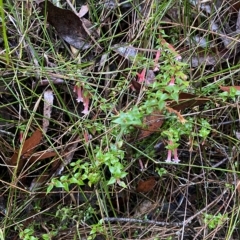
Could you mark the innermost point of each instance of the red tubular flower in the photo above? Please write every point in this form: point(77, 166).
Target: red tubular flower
point(156, 65)
point(141, 76)
point(172, 81)
point(86, 101)
point(20, 136)
point(78, 89)
point(82, 97)
point(175, 155)
point(169, 156)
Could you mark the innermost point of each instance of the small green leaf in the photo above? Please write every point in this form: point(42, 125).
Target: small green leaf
point(50, 187)
point(111, 181)
point(121, 184)
point(58, 184)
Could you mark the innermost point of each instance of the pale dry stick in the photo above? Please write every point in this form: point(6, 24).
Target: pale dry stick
point(146, 49)
point(45, 82)
point(202, 112)
point(72, 7)
point(225, 123)
point(134, 220)
point(7, 133)
point(12, 185)
point(47, 109)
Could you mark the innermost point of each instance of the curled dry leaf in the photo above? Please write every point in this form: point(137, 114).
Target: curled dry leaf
point(180, 117)
point(127, 51)
point(84, 10)
point(47, 109)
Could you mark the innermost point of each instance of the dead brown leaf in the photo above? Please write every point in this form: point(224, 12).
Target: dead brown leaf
point(152, 122)
point(27, 150)
point(187, 100)
point(227, 88)
point(68, 26)
point(147, 185)
point(41, 156)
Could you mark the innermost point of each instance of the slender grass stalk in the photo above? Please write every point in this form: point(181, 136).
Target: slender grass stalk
point(4, 32)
